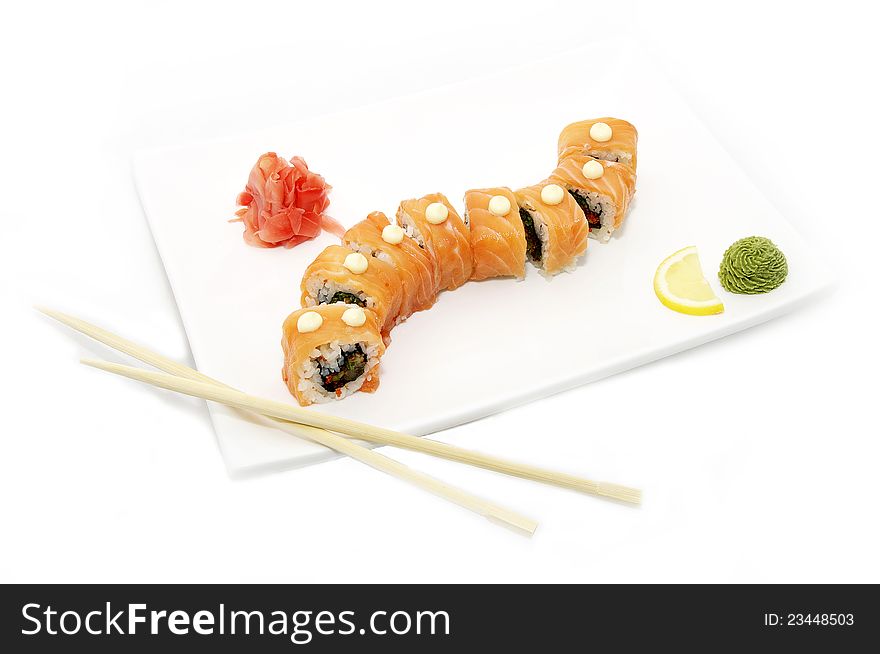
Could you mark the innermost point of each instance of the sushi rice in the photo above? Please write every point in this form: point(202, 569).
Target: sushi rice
point(327, 359)
point(602, 206)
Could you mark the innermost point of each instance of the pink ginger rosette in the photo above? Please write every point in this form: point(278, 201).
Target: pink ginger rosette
point(284, 203)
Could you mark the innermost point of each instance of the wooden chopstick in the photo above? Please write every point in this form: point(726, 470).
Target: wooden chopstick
point(184, 374)
point(352, 428)
point(271, 408)
point(343, 445)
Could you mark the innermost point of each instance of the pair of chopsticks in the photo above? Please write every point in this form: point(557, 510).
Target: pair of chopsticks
point(326, 429)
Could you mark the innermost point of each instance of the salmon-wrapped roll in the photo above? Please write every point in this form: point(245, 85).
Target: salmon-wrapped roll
point(610, 139)
point(434, 224)
point(498, 239)
point(376, 237)
point(603, 189)
point(330, 352)
point(555, 226)
point(340, 275)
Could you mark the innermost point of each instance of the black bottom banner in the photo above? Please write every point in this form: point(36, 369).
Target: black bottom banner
point(319, 618)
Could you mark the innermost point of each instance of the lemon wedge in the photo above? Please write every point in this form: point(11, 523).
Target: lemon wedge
point(680, 285)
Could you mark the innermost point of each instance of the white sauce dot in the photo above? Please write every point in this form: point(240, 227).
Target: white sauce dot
point(354, 317)
point(392, 234)
point(356, 263)
point(499, 205)
point(600, 132)
point(308, 322)
point(436, 213)
point(552, 194)
point(593, 169)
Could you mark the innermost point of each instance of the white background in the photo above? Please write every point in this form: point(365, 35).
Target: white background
point(757, 453)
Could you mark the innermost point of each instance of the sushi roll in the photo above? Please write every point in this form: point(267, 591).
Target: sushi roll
point(498, 239)
point(377, 237)
point(340, 275)
point(609, 139)
point(602, 189)
point(435, 225)
point(555, 226)
point(330, 352)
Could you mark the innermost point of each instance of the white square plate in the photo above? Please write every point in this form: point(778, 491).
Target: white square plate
point(489, 345)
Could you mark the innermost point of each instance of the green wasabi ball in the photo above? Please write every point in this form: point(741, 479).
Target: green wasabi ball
point(752, 265)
